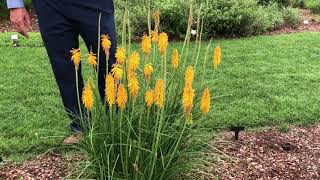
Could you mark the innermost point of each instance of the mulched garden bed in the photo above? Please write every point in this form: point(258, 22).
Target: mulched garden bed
point(269, 154)
point(265, 154)
point(49, 166)
point(312, 26)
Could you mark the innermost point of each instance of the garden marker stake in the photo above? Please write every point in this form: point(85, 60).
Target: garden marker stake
point(237, 130)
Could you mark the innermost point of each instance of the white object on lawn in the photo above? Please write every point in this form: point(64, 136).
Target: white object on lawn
point(14, 37)
point(15, 41)
point(194, 32)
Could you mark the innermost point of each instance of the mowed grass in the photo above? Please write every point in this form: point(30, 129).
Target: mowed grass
point(263, 81)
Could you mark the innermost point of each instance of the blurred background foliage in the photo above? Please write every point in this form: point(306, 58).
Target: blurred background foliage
point(221, 17)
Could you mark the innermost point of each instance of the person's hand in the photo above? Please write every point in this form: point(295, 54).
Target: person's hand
point(20, 20)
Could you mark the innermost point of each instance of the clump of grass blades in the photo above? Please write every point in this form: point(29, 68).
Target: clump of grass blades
point(149, 125)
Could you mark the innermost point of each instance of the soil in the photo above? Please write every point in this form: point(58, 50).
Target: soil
point(269, 154)
point(44, 167)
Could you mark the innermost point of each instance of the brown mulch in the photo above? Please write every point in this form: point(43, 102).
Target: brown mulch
point(269, 154)
point(313, 26)
point(50, 166)
point(266, 154)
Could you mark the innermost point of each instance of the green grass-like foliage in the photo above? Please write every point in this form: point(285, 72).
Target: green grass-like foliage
point(313, 5)
point(34, 40)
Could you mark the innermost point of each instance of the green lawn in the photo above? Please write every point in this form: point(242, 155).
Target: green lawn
point(263, 81)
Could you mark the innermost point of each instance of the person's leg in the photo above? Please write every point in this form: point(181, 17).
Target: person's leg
point(88, 26)
point(60, 36)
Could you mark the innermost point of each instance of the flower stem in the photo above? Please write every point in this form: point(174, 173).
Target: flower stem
point(121, 150)
point(205, 61)
point(78, 94)
point(128, 138)
point(107, 64)
point(129, 33)
point(158, 136)
point(174, 151)
point(111, 129)
point(139, 141)
point(149, 16)
point(98, 48)
point(199, 47)
point(165, 77)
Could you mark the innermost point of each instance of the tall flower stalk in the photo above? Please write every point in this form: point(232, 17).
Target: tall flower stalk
point(76, 58)
point(106, 45)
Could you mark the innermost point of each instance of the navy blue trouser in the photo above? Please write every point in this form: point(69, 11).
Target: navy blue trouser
point(61, 23)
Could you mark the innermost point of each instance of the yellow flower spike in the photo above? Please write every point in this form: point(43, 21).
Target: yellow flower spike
point(133, 84)
point(163, 43)
point(189, 76)
point(87, 97)
point(156, 18)
point(154, 36)
point(148, 70)
point(217, 57)
point(159, 93)
point(106, 43)
point(205, 102)
point(110, 93)
point(219, 54)
point(149, 97)
point(175, 58)
point(76, 57)
point(117, 72)
point(92, 59)
point(187, 99)
point(122, 97)
point(121, 55)
point(146, 44)
point(134, 61)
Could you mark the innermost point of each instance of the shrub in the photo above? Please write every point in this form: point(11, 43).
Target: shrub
point(283, 3)
point(4, 10)
point(279, 2)
point(240, 17)
point(173, 15)
point(273, 17)
point(138, 19)
point(299, 4)
point(313, 5)
point(291, 17)
point(28, 3)
point(173, 23)
point(221, 17)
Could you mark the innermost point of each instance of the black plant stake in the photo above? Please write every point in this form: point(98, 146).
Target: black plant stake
point(236, 130)
point(288, 146)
